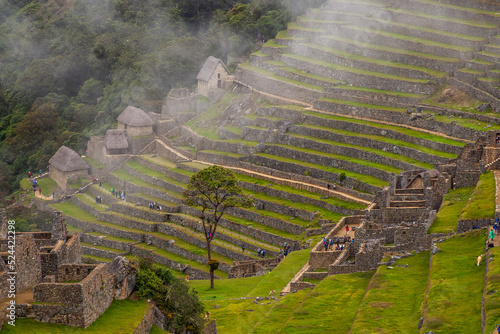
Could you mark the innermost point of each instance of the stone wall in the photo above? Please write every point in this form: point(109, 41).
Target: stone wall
point(73, 304)
point(87, 226)
point(141, 212)
point(97, 240)
point(147, 321)
point(130, 223)
point(301, 199)
point(314, 173)
point(74, 272)
point(192, 272)
point(131, 188)
point(467, 225)
point(136, 131)
point(252, 268)
point(265, 220)
point(62, 178)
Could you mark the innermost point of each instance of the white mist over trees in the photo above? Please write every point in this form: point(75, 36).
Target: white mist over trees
point(69, 67)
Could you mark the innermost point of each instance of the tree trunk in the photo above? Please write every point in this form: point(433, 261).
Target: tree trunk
point(211, 270)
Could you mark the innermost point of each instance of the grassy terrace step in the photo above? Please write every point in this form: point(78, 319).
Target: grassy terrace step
point(387, 154)
point(148, 171)
point(387, 168)
point(95, 258)
point(179, 259)
point(324, 214)
point(227, 154)
point(283, 67)
point(459, 8)
point(451, 209)
point(123, 175)
point(376, 47)
point(400, 129)
point(353, 70)
point(111, 237)
point(364, 59)
point(260, 227)
point(159, 160)
point(74, 211)
point(270, 74)
point(361, 177)
point(394, 298)
point(236, 235)
point(456, 286)
point(156, 200)
point(492, 288)
point(104, 248)
point(382, 139)
point(301, 192)
point(419, 40)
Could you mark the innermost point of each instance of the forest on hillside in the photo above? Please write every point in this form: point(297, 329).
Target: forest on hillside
point(69, 67)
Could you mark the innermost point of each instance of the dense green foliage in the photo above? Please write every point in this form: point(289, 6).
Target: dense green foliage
point(181, 306)
point(68, 68)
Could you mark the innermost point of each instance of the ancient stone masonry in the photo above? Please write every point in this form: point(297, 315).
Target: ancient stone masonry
point(252, 268)
point(65, 291)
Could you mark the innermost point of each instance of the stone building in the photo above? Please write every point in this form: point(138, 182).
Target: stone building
point(116, 142)
point(135, 122)
point(212, 75)
point(67, 165)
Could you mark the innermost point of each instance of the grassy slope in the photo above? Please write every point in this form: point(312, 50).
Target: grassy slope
point(453, 204)
point(335, 300)
point(393, 302)
point(123, 316)
point(482, 200)
point(492, 298)
point(456, 286)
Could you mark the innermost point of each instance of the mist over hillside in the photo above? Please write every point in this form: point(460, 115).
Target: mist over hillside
point(69, 67)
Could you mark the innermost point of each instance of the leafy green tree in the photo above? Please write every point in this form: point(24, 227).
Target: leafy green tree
point(181, 306)
point(214, 189)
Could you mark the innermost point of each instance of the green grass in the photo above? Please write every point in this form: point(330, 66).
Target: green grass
point(301, 192)
point(180, 259)
point(122, 316)
point(104, 248)
point(449, 213)
point(407, 131)
point(94, 163)
point(47, 185)
point(211, 116)
point(367, 163)
point(371, 150)
point(225, 289)
point(148, 171)
point(261, 227)
point(393, 301)
point(362, 105)
point(123, 175)
point(467, 122)
point(160, 160)
point(361, 177)
point(227, 154)
point(334, 302)
point(95, 258)
point(272, 75)
point(492, 297)
point(282, 274)
point(157, 330)
point(456, 286)
point(482, 200)
point(355, 57)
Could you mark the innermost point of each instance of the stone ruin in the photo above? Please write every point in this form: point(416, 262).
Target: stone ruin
point(396, 221)
point(65, 290)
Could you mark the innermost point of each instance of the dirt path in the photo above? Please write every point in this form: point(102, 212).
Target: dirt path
point(24, 297)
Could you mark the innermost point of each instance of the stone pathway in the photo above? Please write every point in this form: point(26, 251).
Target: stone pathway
point(24, 297)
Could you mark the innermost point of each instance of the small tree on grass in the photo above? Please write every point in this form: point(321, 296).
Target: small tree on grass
point(214, 189)
point(182, 308)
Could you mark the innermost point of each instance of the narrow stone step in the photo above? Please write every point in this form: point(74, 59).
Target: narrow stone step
point(479, 65)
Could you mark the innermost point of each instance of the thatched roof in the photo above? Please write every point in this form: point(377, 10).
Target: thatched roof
point(115, 139)
point(209, 67)
point(67, 160)
point(135, 117)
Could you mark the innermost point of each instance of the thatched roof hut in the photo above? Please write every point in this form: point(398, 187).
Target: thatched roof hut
point(209, 67)
point(133, 116)
point(67, 160)
point(115, 139)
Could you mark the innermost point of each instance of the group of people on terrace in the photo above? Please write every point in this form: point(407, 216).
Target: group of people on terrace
point(339, 241)
point(118, 193)
point(154, 205)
